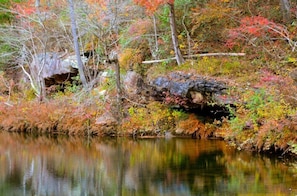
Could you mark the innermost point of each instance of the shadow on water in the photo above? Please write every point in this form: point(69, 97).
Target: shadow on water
point(50, 165)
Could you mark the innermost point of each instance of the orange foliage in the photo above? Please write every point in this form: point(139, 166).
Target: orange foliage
point(276, 134)
point(101, 3)
point(129, 57)
point(152, 5)
point(55, 117)
point(28, 8)
point(97, 13)
point(194, 127)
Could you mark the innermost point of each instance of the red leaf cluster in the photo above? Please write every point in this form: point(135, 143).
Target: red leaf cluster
point(255, 26)
point(24, 9)
point(152, 5)
point(140, 27)
point(268, 78)
point(175, 99)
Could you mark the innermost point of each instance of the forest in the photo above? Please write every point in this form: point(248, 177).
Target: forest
point(162, 68)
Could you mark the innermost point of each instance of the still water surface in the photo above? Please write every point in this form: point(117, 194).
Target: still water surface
point(47, 165)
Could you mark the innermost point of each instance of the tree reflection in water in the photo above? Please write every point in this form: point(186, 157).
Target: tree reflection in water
point(47, 165)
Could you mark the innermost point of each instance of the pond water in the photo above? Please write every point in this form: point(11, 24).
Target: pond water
point(58, 165)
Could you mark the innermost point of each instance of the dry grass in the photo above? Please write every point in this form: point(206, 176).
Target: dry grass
point(52, 117)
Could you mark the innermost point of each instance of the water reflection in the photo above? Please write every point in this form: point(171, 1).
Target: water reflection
point(47, 165)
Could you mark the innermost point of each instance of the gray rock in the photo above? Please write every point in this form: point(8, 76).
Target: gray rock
point(52, 65)
point(191, 89)
point(131, 83)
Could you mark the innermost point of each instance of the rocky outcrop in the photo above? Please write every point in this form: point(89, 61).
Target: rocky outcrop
point(199, 94)
point(188, 90)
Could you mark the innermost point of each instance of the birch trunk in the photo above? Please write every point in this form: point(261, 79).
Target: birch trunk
point(76, 45)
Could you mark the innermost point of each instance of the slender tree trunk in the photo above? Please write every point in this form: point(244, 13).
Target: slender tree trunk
point(42, 89)
point(119, 91)
point(115, 60)
point(178, 55)
point(188, 36)
point(76, 45)
point(156, 51)
point(286, 10)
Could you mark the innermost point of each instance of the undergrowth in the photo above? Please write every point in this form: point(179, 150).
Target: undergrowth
point(262, 119)
point(153, 119)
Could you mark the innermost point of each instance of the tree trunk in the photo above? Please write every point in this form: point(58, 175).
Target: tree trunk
point(76, 45)
point(119, 91)
point(156, 51)
point(42, 89)
point(188, 36)
point(178, 55)
point(113, 58)
point(37, 3)
point(286, 10)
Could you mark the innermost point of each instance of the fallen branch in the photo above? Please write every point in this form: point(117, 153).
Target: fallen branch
point(194, 55)
point(8, 104)
point(158, 61)
point(215, 54)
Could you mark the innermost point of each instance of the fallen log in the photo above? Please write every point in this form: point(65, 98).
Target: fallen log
point(195, 55)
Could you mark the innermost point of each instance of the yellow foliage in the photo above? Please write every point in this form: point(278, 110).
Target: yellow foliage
point(130, 58)
point(210, 21)
point(182, 46)
point(92, 44)
point(264, 118)
point(213, 11)
point(151, 118)
point(216, 66)
point(29, 94)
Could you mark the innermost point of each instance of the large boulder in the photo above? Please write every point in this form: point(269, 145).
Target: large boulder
point(54, 67)
point(135, 87)
point(131, 83)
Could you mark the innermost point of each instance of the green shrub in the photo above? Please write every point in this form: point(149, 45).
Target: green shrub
point(257, 107)
point(152, 118)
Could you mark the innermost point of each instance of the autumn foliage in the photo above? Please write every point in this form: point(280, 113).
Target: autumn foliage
point(152, 5)
point(24, 9)
point(255, 27)
point(261, 87)
point(58, 117)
